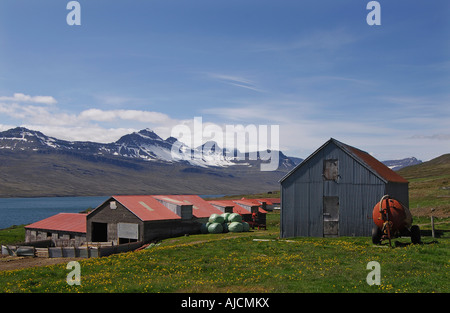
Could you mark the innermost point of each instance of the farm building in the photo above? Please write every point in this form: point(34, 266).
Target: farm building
point(333, 192)
point(245, 208)
point(271, 203)
point(123, 219)
point(225, 206)
point(64, 229)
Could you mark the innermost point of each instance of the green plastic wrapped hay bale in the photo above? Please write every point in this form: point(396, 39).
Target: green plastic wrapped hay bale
point(234, 217)
point(245, 226)
point(235, 227)
point(216, 218)
point(225, 217)
point(215, 228)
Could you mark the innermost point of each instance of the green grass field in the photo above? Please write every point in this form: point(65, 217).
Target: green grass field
point(13, 234)
point(236, 262)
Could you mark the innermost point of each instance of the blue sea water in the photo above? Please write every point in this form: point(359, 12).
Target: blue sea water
point(17, 211)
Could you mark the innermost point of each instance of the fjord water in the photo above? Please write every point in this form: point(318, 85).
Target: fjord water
point(17, 211)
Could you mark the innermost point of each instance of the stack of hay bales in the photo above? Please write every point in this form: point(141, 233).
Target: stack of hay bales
point(223, 223)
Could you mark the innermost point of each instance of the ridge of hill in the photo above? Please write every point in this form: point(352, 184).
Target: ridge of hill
point(429, 186)
point(436, 167)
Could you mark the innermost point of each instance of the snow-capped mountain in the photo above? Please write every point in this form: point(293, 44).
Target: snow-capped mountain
point(399, 164)
point(21, 138)
point(145, 145)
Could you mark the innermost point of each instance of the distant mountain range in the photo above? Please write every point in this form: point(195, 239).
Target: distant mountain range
point(34, 164)
point(144, 145)
point(399, 164)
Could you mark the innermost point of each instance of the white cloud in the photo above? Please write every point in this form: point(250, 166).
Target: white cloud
point(131, 115)
point(445, 137)
point(20, 97)
point(6, 127)
point(236, 81)
point(89, 125)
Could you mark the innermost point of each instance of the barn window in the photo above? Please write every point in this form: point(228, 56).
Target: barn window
point(113, 205)
point(331, 169)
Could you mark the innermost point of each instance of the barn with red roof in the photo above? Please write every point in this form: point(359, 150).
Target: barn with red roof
point(334, 190)
point(131, 218)
point(67, 229)
point(250, 209)
point(124, 219)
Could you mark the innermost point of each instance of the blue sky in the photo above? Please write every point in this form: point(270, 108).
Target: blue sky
point(315, 68)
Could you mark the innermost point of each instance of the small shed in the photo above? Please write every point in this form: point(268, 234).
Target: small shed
point(245, 208)
point(254, 207)
point(333, 192)
point(64, 229)
point(123, 219)
point(225, 206)
point(271, 203)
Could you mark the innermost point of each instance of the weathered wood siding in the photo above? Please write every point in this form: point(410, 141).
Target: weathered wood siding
point(358, 189)
point(112, 217)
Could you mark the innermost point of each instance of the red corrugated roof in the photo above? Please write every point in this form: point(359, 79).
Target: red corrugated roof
point(146, 208)
point(70, 222)
point(236, 207)
point(223, 203)
point(250, 202)
point(247, 202)
point(267, 201)
point(271, 200)
point(200, 207)
point(377, 166)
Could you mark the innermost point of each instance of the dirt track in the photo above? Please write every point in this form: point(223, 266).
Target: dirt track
point(8, 263)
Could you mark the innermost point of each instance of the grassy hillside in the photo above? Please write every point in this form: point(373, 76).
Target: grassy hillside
point(435, 167)
point(429, 186)
point(31, 174)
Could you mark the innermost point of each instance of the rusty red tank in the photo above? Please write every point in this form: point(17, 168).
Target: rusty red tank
point(392, 219)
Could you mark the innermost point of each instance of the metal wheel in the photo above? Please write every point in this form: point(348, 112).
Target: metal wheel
point(415, 234)
point(376, 235)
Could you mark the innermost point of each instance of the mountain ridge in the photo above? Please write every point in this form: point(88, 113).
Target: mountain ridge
point(145, 144)
point(397, 165)
point(35, 165)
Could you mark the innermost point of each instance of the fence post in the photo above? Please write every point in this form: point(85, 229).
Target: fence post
point(432, 223)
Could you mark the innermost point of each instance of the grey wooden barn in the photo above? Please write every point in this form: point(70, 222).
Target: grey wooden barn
point(124, 219)
point(333, 192)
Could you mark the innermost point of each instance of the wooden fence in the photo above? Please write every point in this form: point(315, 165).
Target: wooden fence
point(88, 251)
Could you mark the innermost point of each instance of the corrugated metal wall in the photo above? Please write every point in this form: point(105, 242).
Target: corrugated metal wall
point(358, 190)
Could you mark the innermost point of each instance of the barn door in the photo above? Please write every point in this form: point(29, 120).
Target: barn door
point(99, 232)
point(330, 216)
